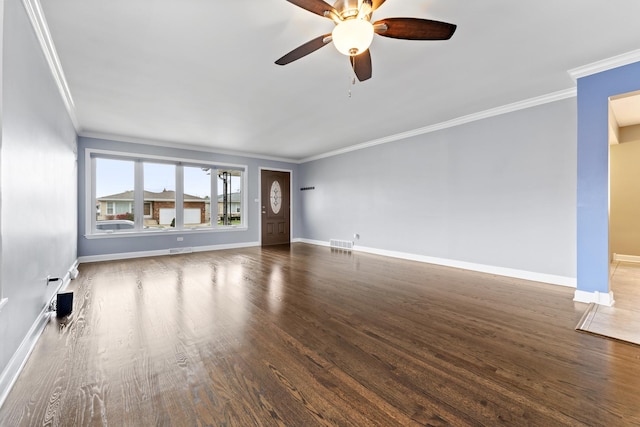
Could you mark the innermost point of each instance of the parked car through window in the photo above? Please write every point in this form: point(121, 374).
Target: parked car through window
point(115, 224)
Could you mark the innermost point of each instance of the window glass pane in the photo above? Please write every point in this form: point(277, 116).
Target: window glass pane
point(114, 194)
point(229, 197)
point(197, 197)
point(160, 194)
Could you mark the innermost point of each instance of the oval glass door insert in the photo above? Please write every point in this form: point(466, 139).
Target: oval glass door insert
point(275, 197)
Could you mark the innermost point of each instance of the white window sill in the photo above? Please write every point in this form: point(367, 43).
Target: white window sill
point(163, 232)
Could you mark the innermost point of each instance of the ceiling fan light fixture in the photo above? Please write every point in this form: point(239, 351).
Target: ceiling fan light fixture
point(352, 36)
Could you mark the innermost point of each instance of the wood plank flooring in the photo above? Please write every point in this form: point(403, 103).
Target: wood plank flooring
point(303, 336)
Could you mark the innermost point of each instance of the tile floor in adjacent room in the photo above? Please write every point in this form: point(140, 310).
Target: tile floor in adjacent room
point(622, 320)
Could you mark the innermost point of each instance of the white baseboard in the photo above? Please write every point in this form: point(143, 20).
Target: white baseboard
point(312, 242)
point(602, 298)
point(19, 359)
point(482, 268)
point(144, 254)
point(626, 258)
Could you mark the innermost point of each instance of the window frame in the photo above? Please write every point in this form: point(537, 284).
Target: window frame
point(92, 154)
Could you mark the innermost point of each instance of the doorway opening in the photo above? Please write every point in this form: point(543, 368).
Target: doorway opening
point(624, 177)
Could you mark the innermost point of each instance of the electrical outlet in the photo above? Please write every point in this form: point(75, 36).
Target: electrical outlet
point(180, 239)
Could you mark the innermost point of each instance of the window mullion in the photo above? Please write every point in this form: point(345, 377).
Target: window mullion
point(214, 198)
point(138, 195)
point(244, 180)
point(94, 202)
point(179, 203)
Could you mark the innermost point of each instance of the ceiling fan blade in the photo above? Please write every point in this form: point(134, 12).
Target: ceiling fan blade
point(361, 65)
point(414, 29)
point(305, 49)
point(315, 6)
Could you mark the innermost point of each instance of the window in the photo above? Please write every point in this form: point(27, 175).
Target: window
point(197, 196)
point(229, 197)
point(160, 194)
point(172, 194)
point(114, 189)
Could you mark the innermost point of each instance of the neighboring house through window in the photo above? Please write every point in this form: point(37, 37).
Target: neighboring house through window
point(173, 194)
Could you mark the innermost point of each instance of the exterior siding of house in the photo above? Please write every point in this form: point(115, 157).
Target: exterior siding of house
point(119, 208)
point(109, 207)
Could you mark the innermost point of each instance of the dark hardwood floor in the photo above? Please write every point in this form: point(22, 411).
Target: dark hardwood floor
point(305, 336)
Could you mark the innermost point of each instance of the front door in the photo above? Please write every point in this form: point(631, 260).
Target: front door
point(276, 210)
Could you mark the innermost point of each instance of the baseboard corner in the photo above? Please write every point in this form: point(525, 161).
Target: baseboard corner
point(600, 298)
point(626, 258)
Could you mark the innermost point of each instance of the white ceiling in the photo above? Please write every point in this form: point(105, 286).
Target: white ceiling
point(202, 72)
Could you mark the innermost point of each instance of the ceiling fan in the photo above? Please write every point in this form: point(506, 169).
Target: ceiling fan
point(354, 31)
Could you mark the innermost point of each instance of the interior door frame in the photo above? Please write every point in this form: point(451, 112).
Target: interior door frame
point(290, 171)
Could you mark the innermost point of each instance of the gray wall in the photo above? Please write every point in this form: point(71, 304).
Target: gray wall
point(155, 242)
point(499, 192)
point(38, 184)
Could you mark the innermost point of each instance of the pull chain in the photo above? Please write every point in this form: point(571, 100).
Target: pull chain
point(352, 82)
point(351, 76)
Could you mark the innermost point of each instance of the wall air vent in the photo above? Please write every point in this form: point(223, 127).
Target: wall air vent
point(346, 245)
point(174, 251)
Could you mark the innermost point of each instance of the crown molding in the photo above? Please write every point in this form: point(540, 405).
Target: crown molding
point(508, 108)
point(182, 146)
point(605, 64)
point(41, 29)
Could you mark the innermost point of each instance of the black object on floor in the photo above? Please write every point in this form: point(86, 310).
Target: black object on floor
point(64, 304)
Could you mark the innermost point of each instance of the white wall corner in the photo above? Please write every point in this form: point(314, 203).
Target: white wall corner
point(601, 298)
point(3, 302)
